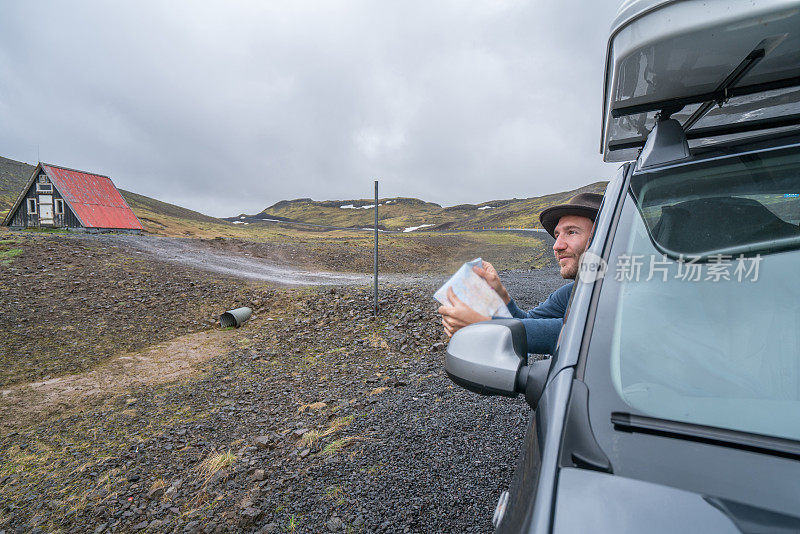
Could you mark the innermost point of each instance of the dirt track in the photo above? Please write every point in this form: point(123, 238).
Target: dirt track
point(191, 253)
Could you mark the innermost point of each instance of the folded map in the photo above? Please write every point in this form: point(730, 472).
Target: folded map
point(473, 291)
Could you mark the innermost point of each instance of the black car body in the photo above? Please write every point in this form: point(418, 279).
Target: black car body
point(672, 402)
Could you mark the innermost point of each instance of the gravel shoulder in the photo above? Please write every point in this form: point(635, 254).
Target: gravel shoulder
point(312, 417)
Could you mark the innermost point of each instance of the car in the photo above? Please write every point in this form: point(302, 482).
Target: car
point(672, 400)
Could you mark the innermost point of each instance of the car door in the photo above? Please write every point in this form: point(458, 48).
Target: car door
point(532, 489)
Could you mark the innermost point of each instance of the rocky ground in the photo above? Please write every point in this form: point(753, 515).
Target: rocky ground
point(71, 301)
point(314, 417)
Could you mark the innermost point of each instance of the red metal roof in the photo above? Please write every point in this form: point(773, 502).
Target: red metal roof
point(93, 198)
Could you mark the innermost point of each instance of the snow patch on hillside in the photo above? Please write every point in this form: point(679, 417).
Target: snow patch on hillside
point(412, 228)
point(367, 207)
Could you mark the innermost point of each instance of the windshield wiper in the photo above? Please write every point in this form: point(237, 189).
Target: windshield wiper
point(706, 434)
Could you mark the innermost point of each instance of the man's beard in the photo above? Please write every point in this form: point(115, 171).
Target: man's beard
point(571, 269)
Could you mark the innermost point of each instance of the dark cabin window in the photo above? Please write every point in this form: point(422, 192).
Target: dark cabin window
point(43, 185)
point(59, 206)
point(32, 205)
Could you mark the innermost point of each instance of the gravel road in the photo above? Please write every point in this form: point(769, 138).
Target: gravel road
point(188, 253)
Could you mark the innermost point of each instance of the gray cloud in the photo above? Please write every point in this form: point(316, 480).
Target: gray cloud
point(227, 107)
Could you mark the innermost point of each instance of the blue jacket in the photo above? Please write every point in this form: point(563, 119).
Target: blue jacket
point(543, 323)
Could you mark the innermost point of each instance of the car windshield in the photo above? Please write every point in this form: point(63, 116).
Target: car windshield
point(711, 339)
point(744, 204)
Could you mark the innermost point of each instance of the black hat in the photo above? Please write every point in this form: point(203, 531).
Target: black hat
point(583, 205)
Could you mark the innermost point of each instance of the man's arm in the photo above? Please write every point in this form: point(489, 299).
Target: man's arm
point(543, 323)
point(458, 315)
point(555, 307)
point(542, 334)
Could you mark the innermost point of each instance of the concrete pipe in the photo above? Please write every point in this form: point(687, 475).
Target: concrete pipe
point(236, 317)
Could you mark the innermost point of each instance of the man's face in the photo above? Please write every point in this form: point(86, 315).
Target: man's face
point(572, 234)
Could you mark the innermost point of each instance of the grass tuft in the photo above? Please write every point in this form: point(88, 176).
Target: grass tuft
point(314, 406)
point(335, 493)
point(214, 463)
point(336, 446)
point(313, 436)
point(332, 492)
point(292, 526)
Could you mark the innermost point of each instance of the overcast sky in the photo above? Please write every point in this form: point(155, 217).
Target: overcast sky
point(228, 107)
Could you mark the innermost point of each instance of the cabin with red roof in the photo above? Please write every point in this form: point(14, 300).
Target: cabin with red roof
point(57, 197)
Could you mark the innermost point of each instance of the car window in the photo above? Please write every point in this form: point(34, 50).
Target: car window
point(713, 342)
point(743, 204)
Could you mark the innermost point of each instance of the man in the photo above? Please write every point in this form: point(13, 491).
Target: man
point(571, 225)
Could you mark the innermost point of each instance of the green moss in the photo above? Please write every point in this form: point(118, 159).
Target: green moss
point(46, 230)
point(7, 256)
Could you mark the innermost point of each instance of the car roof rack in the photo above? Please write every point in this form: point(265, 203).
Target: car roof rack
point(714, 131)
point(719, 96)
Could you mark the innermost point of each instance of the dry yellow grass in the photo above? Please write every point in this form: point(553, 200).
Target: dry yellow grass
point(336, 446)
point(214, 463)
point(314, 406)
point(313, 436)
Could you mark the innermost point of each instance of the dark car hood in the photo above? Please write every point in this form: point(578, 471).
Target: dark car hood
point(590, 501)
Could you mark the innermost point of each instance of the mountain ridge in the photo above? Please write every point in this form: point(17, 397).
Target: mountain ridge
point(397, 213)
point(403, 213)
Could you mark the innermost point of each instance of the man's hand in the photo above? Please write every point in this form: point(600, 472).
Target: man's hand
point(458, 315)
point(488, 273)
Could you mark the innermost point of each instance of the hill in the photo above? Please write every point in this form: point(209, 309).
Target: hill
point(402, 213)
point(159, 217)
point(13, 176)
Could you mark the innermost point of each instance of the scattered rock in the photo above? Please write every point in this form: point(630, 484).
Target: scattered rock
point(265, 442)
point(250, 514)
point(217, 477)
point(335, 524)
point(156, 492)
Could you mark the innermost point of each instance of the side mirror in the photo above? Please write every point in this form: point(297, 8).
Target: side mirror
point(491, 358)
